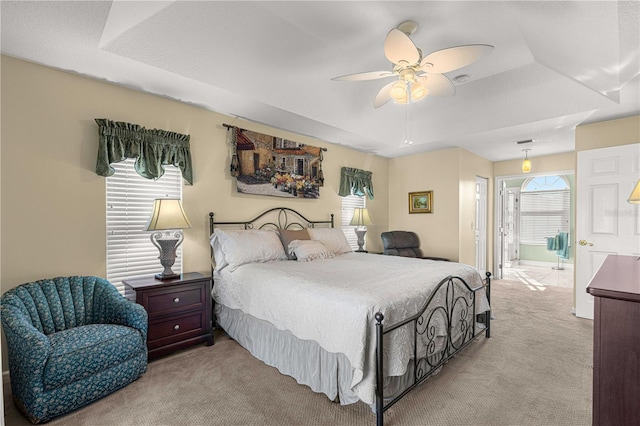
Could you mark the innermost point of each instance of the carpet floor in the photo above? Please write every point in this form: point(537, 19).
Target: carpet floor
point(536, 369)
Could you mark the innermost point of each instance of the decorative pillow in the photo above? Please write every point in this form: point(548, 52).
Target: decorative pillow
point(234, 248)
point(308, 250)
point(288, 235)
point(333, 238)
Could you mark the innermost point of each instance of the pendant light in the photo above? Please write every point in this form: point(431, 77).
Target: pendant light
point(526, 163)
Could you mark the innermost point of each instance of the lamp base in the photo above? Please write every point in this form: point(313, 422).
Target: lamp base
point(360, 232)
point(167, 244)
point(163, 277)
point(361, 251)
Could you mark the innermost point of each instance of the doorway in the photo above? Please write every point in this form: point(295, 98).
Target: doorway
point(481, 224)
point(534, 229)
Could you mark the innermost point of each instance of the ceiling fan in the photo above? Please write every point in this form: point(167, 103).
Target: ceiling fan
point(417, 76)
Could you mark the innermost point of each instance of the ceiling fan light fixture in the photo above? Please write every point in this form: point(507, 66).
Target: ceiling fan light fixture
point(401, 101)
point(410, 66)
point(418, 91)
point(399, 91)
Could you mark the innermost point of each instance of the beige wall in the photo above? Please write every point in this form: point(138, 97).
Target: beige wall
point(53, 203)
point(544, 164)
point(622, 131)
point(436, 171)
point(450, 173)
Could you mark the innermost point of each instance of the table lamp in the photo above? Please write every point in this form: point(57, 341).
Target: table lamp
point(167, 216)
point(360, 220)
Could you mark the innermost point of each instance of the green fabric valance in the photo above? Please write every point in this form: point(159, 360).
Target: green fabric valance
point(355, 181)
point(152, 149)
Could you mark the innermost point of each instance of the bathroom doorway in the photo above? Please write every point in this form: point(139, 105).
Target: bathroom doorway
point(534, 227)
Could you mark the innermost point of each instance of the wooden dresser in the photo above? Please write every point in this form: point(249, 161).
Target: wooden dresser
point(616, 341)
point(179, 311)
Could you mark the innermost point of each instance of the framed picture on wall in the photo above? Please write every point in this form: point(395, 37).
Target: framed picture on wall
point(421, 202)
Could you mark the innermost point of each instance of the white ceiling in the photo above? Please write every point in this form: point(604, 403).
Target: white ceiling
point(555, 64)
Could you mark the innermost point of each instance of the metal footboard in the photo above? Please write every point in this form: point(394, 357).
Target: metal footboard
point(452, 308)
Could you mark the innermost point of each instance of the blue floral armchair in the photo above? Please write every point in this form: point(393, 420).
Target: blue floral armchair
point(71, 340)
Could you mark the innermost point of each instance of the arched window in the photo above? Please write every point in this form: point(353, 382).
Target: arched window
point(546, 183)
point(544, 208)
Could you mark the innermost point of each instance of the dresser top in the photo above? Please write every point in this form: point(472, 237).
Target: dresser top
point(617, 278)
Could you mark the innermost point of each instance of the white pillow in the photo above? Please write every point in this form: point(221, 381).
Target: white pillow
point(237, 247)
point(218, 255)
point(333, 238)
point(308, 250)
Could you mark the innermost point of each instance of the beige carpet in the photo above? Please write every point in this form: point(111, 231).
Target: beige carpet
point(534, 370)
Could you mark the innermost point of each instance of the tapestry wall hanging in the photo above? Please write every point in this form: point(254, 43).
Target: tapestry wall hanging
point(268, 165)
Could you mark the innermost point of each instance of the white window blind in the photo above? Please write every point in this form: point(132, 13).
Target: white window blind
point(349, 203)
point(130, 252)
point(543, 214)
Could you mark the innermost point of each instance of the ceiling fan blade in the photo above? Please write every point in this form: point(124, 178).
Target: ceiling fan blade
point(383, 96)
point(398, 48)
point(437, 85)
point(363, 76)
point(452, 58)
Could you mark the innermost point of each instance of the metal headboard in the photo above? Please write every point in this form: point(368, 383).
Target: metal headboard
point(283, 218)
point(274, 219)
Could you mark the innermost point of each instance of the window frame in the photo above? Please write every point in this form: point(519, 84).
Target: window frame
point(349, 203)
point(544, 211)
point(129, 203)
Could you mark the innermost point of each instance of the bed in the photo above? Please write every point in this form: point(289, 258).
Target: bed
point(354, 326)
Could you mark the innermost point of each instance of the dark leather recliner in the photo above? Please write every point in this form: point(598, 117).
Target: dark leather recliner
point(403, 243)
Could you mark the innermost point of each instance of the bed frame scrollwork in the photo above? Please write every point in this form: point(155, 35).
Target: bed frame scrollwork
point(452, 308)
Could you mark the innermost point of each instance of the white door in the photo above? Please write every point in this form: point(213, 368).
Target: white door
point(512, 225)
point(481, 225)
point(605, 222)
point(499, 249)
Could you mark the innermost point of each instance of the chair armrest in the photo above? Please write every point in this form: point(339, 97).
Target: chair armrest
point(116, 309)
point(29, 349)
point(126, 312)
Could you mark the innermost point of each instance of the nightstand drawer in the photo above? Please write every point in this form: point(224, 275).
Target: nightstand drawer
point(179, 311)
point(176, 329)
point(177, 299)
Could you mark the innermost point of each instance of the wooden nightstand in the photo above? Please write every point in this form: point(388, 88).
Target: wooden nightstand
point(179, 311)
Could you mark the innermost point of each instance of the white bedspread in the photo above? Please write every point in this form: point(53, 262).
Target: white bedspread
point(333, 302)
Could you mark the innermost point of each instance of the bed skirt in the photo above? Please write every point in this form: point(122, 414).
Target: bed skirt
point(304, 360)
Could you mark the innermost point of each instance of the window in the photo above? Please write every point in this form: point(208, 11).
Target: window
point(544, 208)
point(349, 203)
point(130, 252)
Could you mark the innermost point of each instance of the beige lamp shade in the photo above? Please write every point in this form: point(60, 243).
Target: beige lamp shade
point(360, 217)
point(634, 198)
point(167, 214)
